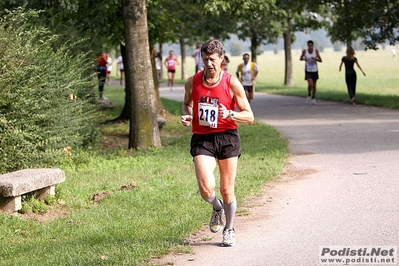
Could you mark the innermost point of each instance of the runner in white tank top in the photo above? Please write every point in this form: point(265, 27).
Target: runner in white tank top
point(310, 64)
point(311, 56)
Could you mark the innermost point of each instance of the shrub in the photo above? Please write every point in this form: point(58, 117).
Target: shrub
point(46, 96)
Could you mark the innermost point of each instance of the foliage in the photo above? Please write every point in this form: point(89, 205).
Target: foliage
point(31, 204)
point(100, 28)
point(44, 96)
point(373, 21)
point(234, 7)
point(172, 21)
point(163, 24)
point(258, 24)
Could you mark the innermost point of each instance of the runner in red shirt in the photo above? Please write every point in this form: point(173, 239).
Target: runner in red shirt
point(170, 63)
point(101, 73)
point(210, 102)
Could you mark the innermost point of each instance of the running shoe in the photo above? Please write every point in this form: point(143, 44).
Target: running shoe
point(229, 238)
point(216, 223)
point(314, 101)
point(308, 99)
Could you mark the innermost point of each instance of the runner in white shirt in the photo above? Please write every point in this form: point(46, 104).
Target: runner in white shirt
point(311, 56)
point(246, 73)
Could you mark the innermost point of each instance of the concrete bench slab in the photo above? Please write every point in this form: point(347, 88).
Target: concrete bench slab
point(13, 185)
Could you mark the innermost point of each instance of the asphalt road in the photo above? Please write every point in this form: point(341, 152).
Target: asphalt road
point(339, 189)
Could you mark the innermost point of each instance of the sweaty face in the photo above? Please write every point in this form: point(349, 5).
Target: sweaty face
point(212, 62)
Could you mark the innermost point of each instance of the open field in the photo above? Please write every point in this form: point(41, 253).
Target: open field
point(380, 87)
point(380, 67)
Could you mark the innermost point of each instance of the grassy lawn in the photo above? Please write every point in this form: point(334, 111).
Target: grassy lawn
point(120, 207)
point(380, 87)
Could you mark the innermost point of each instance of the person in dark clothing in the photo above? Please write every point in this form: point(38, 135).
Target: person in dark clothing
point(350, 74)
point(101, 73)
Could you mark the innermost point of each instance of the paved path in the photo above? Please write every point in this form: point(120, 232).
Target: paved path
point(340, 188)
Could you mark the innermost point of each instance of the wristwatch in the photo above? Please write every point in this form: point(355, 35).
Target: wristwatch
point(231, 114)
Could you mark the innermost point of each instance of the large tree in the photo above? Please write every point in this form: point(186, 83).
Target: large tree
point(143, 124)
point(257, 26)
point(250, 20)
point(373, 21)
point(295, 16)
point(190, 23)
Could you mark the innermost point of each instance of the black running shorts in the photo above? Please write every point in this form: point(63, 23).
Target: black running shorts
point(220, 145)
point(249, 88)
point(311, 75)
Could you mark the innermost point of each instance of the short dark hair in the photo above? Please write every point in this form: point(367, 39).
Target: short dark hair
point(212, 47)
point(310, 41)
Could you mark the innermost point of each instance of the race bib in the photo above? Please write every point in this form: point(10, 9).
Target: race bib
point(208, 114)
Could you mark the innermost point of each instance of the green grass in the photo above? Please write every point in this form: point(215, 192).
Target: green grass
point(155, 215)
point(379, 88)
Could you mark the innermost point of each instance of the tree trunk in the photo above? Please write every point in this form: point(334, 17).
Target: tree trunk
point(348, 31)
point(288, 73)
point(254, 48)
point(184, 75)
point(144, 130)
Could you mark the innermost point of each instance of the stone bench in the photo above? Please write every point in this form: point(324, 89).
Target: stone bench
point(13, 185)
